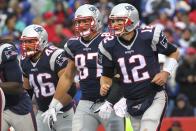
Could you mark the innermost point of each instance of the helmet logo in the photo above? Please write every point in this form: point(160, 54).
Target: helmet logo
point(93, 9)
point(129, 8)
point(38, 30)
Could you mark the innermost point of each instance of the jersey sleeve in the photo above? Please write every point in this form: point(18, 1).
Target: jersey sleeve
point(160, 42)
point(68, 50)
point(12, 71)
point(104, 56)
point(58, 60)
point(8, 53)
point(105, 60)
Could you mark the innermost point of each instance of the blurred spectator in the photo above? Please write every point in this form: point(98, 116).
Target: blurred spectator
point(176, 126)
point(185, 40)
point(183, 107)
point(61, 36)
point(153, 7)
point(39, 7)
point(105, 6)
point(25, 15)
point(9, 31)
point(178, 30)
point(182, 10)
point(3, 13)
point(192, 16)
point(60, 13)
point(163, 19)
point(15, 8)
point(186, 75)
point(38, 20)
point(50, 24)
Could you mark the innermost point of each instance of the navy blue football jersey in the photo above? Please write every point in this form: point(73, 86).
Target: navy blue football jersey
point(43, 74)
point(85, 56)
point(137, 61)
point(10, 72)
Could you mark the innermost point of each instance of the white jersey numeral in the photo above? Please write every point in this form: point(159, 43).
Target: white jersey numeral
point(81, 61)
point(135, 70)
point(44, 88)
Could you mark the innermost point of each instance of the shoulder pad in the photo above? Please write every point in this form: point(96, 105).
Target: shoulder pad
point(67, 48)
point(7, 53)
point(53, 58)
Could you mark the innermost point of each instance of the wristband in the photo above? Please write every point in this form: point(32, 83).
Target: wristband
point(170, 65)
point(58, 107)
point(54, 103)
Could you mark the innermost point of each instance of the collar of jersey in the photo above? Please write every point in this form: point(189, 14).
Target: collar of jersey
point(130, 45)
point(88, 44)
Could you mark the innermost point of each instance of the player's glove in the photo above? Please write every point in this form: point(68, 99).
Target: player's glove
point(105, 110)
point(120, 108)
point(50, 116)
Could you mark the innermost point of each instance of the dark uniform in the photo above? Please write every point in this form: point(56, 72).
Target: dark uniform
point(137, 63)
point(85, 56)
point(43, 78)
point(18, 108)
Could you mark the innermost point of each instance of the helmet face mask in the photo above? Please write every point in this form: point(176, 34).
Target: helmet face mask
point(117, 25)
point(33, 40)
point(87, 20)
point(84, 26)
point(29, 47)
point(123, 18)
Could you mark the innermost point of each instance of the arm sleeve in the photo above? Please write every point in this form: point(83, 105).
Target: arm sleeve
point(59, 61)
point(68, 53)
point(160, 43)
point(12, 71)
point(105, 60)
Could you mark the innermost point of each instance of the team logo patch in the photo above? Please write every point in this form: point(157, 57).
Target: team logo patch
point(93, 9)
point(130, 8)
point(60, 60)
point(10, 52)
point(163, 41)
point(39, 30)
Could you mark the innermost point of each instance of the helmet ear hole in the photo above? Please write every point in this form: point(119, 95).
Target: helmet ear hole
point(128, 22)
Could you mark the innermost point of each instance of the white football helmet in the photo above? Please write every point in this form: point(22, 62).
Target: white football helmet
point(126, 12)
point(90, 12)
point(34, 39)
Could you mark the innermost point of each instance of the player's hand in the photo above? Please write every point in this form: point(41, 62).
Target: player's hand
point(105, 110)
point(47, 115)
point(120, 108)
point(160, 78)
point(50, 116)
point(104, 89)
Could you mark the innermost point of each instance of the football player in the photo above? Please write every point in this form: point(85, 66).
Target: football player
point(18, 108)
point(134, 52)
point(82, 52)
point(42, 65)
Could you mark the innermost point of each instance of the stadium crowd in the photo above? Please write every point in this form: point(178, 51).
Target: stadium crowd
point(176, 17)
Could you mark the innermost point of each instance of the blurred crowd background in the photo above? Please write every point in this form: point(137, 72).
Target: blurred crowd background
point(176, 17)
